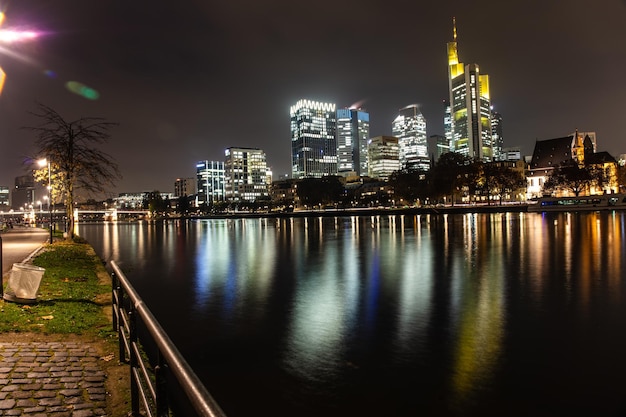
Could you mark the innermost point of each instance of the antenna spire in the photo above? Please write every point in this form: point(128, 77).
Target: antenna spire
point(454, 28)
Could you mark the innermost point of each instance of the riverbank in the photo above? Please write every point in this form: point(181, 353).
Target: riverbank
point(377, 211)
point(59, 355)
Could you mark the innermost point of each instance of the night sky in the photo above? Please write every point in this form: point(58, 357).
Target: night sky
point(187, 79)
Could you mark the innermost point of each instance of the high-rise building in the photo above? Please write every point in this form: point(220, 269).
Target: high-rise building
point(23, 194)
point(313, 139)
point(513, 153)
point(184, 187)
point(353, 131)
point(246, 176)
point(496, 136)
point(410, 129)
point(447, 123)
point(383, 156)
point(470, 107)
point(210, 179)
point(441, 144)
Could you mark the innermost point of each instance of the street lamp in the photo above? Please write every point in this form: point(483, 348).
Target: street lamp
point(43, 163)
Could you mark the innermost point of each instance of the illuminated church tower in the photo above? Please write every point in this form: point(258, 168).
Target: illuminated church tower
point(470, 107)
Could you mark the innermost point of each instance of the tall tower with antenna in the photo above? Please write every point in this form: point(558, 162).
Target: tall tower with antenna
point(470, 106)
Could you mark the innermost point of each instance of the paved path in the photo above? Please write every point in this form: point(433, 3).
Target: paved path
point(51, 379)
point(19, 242)
point(41, 378)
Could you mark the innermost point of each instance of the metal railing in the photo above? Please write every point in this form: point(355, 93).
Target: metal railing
point(150, 385)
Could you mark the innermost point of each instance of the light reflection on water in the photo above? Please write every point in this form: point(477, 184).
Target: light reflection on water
point(436, 315)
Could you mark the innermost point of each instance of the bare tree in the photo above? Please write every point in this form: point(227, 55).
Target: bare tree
point(76, 164)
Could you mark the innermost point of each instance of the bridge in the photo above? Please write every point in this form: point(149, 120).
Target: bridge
point(35, 216)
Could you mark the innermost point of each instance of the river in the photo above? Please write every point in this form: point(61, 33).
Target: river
point(501, 314)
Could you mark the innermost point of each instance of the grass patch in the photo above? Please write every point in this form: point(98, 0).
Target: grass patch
point(74, 291)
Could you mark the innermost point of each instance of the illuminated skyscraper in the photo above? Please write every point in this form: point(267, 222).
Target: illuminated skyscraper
point(313, 139)
point(470, 107)
point(353, 131)
point(246, 176)
point(447, 123)
point(210, 179)
point(384, 156)
point(410, 129)
point(496, 136)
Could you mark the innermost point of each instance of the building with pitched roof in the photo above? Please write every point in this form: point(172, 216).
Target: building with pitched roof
point(551, 153)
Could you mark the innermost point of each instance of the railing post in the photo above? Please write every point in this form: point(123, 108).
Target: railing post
point(119, 291)
point(146, 394)
point(134, 384)
point(162, 408)
point(114, 304)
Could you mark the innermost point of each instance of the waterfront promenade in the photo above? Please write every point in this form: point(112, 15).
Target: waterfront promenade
point(54, 375)
point(19, 243)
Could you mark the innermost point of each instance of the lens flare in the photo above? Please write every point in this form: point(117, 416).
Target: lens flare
point(3, 77)
point(82, 90)
point(8, 37)
point(11, 36)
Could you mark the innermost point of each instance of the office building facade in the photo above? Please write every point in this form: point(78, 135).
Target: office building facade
point(384, 156)
point(313, 139)
point(5, 201)
point(353, 131)
point(24, 193)
point(246, 175)
point(441, 145)
point(184, 187)
point(496, 136)
point(410, 129)
point(470, 107)
point(447, 123)
point(210, 180)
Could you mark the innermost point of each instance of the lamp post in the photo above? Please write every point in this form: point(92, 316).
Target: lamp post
point(43, 163)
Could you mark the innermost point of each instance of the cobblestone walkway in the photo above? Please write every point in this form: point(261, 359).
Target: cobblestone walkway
point(59, 379)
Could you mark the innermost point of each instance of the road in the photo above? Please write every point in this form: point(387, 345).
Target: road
point(18, 243)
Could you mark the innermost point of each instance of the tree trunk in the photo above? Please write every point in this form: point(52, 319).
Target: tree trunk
point(69, 212)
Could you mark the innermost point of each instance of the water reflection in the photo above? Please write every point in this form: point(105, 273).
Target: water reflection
point(320, 309)
point(481, 310)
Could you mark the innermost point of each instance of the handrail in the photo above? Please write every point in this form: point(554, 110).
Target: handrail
point(153, 395)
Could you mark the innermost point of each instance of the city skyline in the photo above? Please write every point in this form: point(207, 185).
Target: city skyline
point(186, 82)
